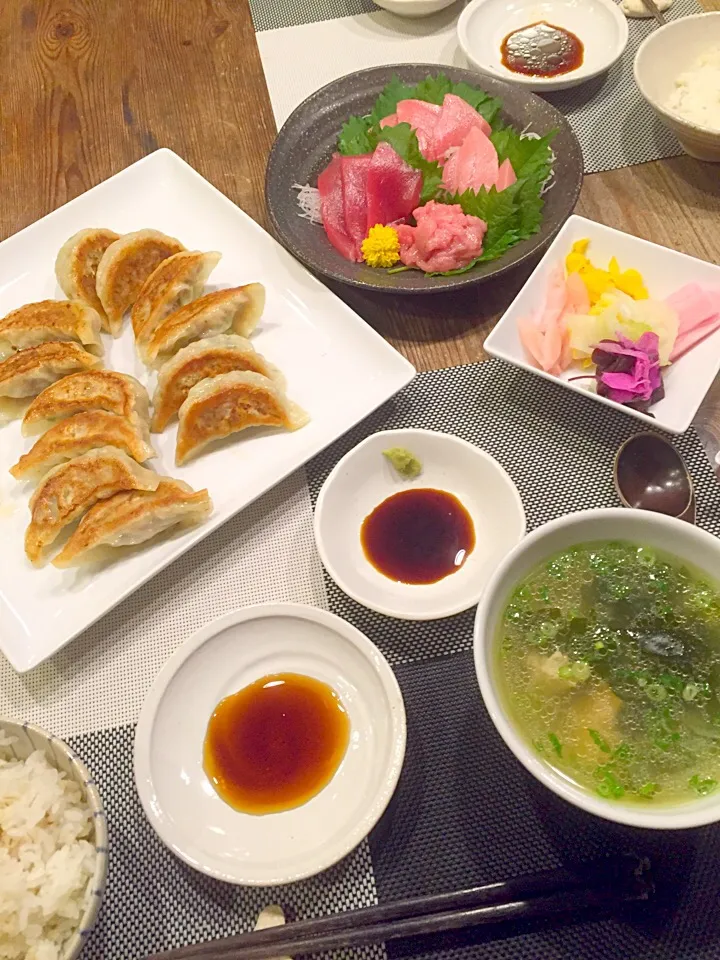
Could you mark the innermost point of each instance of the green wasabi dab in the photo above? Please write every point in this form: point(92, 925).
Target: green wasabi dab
point(407, 465)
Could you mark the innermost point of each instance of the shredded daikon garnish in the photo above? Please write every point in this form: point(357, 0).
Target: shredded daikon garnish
point(309, 202)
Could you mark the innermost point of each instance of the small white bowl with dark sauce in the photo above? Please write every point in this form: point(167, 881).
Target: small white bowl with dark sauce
point(422, 547)
point(545, 45)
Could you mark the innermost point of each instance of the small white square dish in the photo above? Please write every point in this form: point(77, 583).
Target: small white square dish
point(686, 381)
point(337, 368)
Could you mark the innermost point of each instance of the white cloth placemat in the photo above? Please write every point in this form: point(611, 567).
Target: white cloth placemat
point(266, 553)
point(305, 45)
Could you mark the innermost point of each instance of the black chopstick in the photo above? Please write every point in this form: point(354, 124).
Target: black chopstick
point(552, 893)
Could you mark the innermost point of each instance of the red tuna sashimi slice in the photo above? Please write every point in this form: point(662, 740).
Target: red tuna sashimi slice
point(393, 187)
point(473, 165)
point(391, 121)
point(506, 176)
point(422, 117)
point(333, 212)
point(457, 118)
point(354, 171)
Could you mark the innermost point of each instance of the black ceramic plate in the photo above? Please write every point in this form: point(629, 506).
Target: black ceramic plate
point(309, 137)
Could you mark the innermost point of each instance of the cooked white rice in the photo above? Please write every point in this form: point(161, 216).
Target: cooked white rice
point(46, 859)
point(696, 97)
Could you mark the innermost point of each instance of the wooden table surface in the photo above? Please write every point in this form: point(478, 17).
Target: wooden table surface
point(90, 86)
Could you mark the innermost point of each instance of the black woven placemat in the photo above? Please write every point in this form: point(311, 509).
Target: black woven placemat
point(465, 810)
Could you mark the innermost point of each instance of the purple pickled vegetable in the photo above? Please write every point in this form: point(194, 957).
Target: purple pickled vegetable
point(629, 372)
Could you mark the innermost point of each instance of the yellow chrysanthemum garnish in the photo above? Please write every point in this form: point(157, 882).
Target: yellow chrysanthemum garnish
point(381, 247)
point(599, 282)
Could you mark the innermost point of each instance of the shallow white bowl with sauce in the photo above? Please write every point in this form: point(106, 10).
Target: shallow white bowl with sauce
point(364, 478)
point(414, 8)
point(668, 52)
point(598, 24)
point(643, 527)
point(224, 657)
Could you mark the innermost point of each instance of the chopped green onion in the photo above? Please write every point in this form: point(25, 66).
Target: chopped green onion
point(609, 785)
point(649, 789)
point(599, 742)
point(581, 670)
point(621, 752)
point(565, 672)
point(555, 743)
point(703, 787)
point(656, 692)
point(690, 691)
point(671, 682)
point(599, 645)
point(544, 594)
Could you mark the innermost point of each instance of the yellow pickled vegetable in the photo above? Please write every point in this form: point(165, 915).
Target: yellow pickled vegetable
point(598, 281)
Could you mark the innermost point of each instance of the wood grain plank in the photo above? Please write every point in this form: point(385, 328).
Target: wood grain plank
point(96, 85)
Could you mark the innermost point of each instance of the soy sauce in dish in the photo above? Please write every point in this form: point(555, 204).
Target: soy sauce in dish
point(418, 536)
point(542, 50)
point(276, 743)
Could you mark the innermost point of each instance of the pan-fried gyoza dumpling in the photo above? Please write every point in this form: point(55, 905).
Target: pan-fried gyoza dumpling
point(133, 517)
point(124, 268)
point(71, 488)
point(77, 263)
point(76, 435)
point(51, 320)
point(236, 310)
point(199, 361)
point(26, 373)
point(230, 403)
point(172, 284)
point(94, 390)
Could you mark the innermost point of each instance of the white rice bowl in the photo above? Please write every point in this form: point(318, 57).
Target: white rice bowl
point(50, 868)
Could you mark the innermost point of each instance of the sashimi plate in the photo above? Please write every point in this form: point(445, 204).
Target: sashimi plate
point(308, 139)
point(337, 368)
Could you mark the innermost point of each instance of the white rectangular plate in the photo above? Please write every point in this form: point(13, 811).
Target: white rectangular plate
point(664, 271)
point(337, 368)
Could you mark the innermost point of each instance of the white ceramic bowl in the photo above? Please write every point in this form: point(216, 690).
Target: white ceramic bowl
point(414, 8)
point(222, 658)
point(599, 24)
point(28, 739)
point(655, 530)
point(665, 54)
point(364, 478)
point(686, 381)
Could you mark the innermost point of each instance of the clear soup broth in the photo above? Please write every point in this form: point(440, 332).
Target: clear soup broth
point(609, 664)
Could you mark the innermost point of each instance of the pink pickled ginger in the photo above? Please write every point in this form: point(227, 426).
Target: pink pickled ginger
point(698, 310)
point(544, 334)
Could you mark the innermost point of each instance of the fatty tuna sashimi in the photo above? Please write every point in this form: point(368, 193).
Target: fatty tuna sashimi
point(444, 239)
point(472, 165)
point(354, 174)
point(393, 187)
point(423, 118)
point(455, 121)
point(506, 176)
point(333, 212)
point(391, 121)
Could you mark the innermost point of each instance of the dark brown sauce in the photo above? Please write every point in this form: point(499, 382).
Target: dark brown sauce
point(542, 50)
point(418, 536)
point(275, 744)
